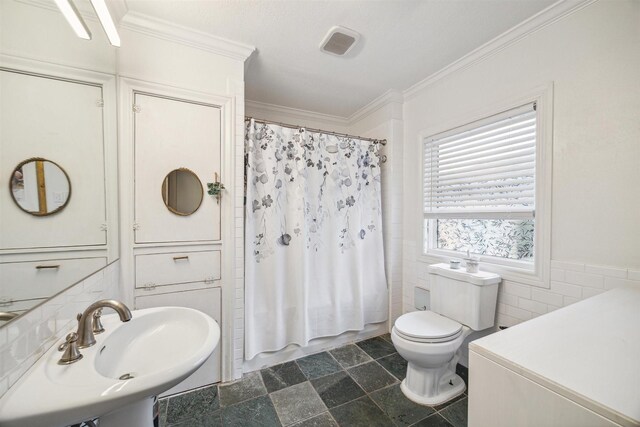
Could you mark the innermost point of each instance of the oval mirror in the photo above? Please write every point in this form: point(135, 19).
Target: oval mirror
point(40, 187)
point(182, 192)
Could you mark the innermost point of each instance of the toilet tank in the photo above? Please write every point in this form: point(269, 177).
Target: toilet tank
point(469, 298)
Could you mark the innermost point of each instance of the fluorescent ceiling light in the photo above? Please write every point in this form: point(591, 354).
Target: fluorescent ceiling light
point(106, 21)
point(74, 19)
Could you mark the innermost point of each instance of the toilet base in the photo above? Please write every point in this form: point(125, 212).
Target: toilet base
point(453, 387)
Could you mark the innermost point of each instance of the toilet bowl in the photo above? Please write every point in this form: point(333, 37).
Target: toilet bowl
point(432, 358)
point(430, 340)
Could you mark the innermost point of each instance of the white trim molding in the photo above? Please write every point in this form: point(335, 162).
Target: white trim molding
point(389, 97)
point(168, 31)
point(159, 28)
point(295, 113)
point(548, 16)
point(117, 8)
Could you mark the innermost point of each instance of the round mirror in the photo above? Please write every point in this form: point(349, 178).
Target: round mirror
point(40, 187)
point(182, 192)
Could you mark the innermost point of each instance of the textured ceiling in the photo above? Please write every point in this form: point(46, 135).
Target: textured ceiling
point(403, 41)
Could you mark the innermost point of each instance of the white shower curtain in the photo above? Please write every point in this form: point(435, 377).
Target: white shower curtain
point(314, 262)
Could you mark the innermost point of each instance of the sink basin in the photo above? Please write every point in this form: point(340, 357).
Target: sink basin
point(157, 349)
point(153, 343)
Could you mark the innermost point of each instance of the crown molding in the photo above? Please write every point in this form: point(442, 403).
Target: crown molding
point(296, 113)
point(166, 30)
point(548, 16)
point(389, 97)
point(551, 14)
point(117, 8)
point(10, 60)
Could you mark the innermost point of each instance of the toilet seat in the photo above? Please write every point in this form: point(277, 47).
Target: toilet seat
point(427, 327)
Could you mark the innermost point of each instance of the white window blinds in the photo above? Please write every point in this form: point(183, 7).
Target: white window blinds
point(485, 169)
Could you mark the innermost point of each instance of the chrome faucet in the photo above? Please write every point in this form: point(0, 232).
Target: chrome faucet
point(85, 324)
point(7, 315)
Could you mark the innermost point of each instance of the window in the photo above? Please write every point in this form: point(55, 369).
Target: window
point(480, 187)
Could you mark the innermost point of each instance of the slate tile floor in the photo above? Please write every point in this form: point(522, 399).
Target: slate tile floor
point(354, 385)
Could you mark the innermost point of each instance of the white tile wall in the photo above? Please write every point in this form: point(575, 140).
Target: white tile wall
point(392, 222)
point(570, 283)
point(25, 339)
point(238, 327)
point(517, 302)
point(409, 274)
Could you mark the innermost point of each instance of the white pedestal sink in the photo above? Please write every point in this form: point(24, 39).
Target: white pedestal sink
point(154, 351)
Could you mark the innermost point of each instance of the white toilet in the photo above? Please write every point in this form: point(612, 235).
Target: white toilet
point(461, 303)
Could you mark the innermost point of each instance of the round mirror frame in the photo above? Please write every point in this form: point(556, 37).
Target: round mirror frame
point(35, 159)
point(172, 210)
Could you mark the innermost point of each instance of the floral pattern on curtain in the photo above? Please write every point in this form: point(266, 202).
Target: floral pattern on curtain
point(313, 234)
point(304, 158)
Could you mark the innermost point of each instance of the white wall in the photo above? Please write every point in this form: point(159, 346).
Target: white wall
point(383, 120)
point(151, 58)
point(592, 58)
point(296, 117)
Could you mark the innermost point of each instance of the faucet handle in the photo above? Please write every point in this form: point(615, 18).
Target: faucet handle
point(70, 347)
point(97, 323)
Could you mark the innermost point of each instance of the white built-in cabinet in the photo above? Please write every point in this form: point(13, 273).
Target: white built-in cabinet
point(61, 121)
point(60, 115)
point(171, 134)
point(174, 260)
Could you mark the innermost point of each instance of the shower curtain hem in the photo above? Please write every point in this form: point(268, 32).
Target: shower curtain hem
point(318, 337)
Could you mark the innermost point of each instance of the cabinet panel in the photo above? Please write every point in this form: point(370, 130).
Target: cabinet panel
point(61, 121)
point(500, 397)
point(175, 268)
point(41, 279)
point(209, 302)
point(171, 134)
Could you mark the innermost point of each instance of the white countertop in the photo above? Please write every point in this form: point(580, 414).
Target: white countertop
point(588, 352)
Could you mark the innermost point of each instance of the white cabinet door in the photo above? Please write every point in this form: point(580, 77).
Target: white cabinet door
point(60, 121)
point(206, 300)
point(172, 134)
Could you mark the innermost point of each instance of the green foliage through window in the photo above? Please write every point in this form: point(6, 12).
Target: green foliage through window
point(504, 238)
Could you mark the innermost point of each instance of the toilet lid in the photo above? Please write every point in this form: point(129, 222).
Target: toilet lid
point(427, 325)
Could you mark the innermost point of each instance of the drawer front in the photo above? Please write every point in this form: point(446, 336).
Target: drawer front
point(174, 268)
point(42, 279)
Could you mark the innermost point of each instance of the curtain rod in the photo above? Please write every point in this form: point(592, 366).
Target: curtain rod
point(381, 141)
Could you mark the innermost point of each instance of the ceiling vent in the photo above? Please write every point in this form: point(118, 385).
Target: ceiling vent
point(339, 41)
